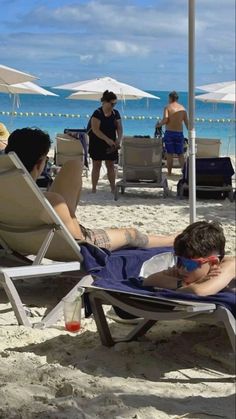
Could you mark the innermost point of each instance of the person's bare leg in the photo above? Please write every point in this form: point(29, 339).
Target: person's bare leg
point(95, 174)
point(181, 160)
point(68, 183)
point(169, 160)
point(111, 174)
point(131, 237)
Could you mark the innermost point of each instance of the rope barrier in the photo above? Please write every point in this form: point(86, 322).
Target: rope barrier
point(126, 117)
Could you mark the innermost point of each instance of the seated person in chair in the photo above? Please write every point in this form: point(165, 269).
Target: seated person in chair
point(32, 147)
point(201, 266)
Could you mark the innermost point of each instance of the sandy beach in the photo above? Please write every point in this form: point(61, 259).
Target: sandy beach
point(178, 370)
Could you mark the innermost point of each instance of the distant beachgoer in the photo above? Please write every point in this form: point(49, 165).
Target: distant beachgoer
point(173, 118)
point(4, 134)
point(32, 147)
point(105, 135)
point(201, 266)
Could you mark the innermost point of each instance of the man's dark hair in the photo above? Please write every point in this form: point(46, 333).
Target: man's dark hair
point(200, 239)
point(30, 144)
point(108, 96)
point(173, 96)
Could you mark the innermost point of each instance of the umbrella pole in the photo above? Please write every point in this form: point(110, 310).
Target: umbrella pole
point(191, 107)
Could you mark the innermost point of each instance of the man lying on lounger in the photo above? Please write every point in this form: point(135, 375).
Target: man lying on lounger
point(201, 266)
point(32, 147)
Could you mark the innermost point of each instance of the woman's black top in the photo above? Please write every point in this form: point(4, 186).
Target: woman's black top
point(98, 148)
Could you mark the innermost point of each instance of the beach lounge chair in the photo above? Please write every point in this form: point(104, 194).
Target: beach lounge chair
point(207, 147)
point(213, 179)
point(142, 165)
point(127, 295)
point(67, 148)
point(30, 226)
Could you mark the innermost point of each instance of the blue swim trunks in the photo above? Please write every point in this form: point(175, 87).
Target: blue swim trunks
point(174, 142)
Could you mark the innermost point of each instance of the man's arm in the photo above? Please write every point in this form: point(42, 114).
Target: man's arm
point(212, 284)
point(165, 118)
point(165, 279)
point(95, 125)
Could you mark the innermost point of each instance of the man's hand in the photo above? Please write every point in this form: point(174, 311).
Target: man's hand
point(215, 270)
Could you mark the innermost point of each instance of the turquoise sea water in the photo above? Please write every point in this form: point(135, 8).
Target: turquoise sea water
point(139, 116)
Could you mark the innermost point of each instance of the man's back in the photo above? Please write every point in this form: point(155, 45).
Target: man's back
point(176, 115)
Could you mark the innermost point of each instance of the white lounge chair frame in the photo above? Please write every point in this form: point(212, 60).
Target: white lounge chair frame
point(29, 225)
point(142, 165)
point(151, 310)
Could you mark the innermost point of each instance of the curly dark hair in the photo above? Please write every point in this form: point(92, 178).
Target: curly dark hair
point(108, 96)
point(30, 144)
point(200, 239)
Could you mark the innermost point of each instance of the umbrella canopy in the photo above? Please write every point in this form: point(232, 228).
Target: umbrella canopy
point(214, 97)
point(99, 85)
point(223, 87)
point(25, 88)
point(10, 75)
point(218, 92)
point(97, 96)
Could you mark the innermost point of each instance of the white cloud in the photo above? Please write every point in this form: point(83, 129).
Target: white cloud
point(116, 36)
point(125, 48)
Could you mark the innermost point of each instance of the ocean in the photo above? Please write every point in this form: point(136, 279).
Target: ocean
point(54, 114)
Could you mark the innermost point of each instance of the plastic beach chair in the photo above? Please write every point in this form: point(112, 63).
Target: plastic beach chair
point(30, 226)
point(67, 148)
point(151, 306)
point(207, 147)
point(142, 165)
point(213, 179)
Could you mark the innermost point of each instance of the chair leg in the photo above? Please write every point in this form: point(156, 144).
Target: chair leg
point(142, 327)
point(103, 328)
point(14, 299)
point(56, 313)
point(101, 321)
point(229, 322)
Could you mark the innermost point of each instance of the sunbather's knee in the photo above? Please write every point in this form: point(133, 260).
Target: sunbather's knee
point(54, 198)
point(75, 166)
point(135, 238)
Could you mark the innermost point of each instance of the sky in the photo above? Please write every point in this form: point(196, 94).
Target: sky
point(142, 42)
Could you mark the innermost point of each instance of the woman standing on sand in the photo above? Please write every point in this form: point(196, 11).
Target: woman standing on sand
point(105, 134)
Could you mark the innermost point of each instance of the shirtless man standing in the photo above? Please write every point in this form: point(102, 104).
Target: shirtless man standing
point(173, 117)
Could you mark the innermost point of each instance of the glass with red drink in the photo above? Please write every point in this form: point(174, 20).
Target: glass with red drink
point(72, 311)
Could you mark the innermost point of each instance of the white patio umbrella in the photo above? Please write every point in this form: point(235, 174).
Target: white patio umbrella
point(218, 92)
point(214, 97)
point(97, 96)
point(10, 75)
point(100, 84)
point(25, 88)
point(222, 87)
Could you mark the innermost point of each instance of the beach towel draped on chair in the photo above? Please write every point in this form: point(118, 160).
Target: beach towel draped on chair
point(213, 178)
point(118, 283)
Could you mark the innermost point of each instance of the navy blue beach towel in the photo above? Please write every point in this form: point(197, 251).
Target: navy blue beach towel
point(119, 271)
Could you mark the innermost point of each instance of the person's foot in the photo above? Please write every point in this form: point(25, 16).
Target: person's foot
point(94, 191)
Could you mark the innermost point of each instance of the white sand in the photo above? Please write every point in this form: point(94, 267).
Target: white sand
point(178, 370)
